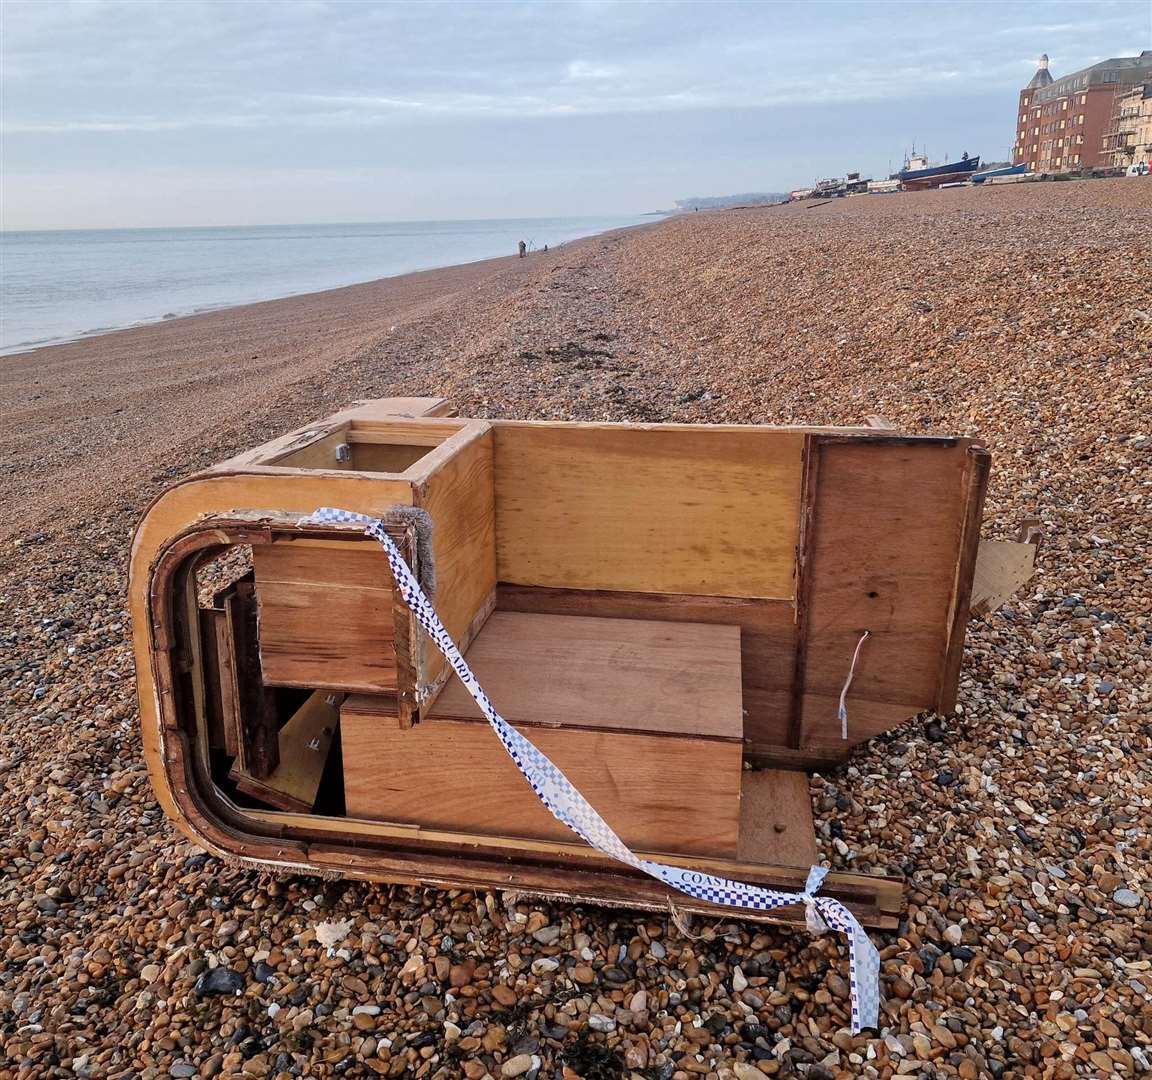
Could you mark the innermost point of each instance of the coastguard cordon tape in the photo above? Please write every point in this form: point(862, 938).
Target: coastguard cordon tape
point(568, 806)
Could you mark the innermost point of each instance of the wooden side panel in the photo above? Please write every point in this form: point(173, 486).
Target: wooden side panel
point(767, 639)
point(710, 511)
point(882, 555)
point(326, 618)
point(456, 775)
point(776, 819)
point(460, 498)
point(616, 674)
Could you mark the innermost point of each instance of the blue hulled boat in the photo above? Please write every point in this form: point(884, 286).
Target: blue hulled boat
point(1008, 170)
point(917, 173)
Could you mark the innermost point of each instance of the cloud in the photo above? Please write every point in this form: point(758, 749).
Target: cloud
point(85, 69)
point(583, 69)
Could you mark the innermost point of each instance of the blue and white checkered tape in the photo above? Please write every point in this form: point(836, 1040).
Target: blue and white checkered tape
point(559, 795)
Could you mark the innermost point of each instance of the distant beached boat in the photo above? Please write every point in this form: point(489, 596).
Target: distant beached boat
point(918, 174)
point(1006, 170)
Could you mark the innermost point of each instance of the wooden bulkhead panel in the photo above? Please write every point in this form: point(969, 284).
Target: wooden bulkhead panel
point(705, 511)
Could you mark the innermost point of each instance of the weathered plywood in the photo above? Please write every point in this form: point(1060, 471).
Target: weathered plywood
point(703, 511)
point(767, 639)
point(776, 819)
point(615, 674)
point(380, 409)
point(326, 617)
point(881, 554)
point(318, 454)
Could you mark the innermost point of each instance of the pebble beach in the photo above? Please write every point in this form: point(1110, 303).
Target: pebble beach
point(1018, 314)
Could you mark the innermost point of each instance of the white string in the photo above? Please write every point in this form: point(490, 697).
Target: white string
point(568, 806)
point(848, 682)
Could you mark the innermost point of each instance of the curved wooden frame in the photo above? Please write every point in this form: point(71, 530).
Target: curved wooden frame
point(163, 599)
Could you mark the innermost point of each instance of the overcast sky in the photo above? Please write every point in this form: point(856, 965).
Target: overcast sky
point(173, 113)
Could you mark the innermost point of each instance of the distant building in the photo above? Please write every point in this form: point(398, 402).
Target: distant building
point(1061, 123)
point(1128, 140)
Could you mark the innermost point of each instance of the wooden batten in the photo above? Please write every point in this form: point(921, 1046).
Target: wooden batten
point(257, 747)
point(458, 493)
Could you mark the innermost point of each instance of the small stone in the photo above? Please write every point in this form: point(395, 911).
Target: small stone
point(943, 1036)
point(953, 934)
point(149, 973)
point(355, 986)
point(182, 1068)
point(547, 935)
point(1126, 898)
point(739, 980)
point(600, 1022)
point(744, 1071)
point(460, 975)
point(504, 995)
point(636, 1056)
point(516, 1066)
point(219, 981)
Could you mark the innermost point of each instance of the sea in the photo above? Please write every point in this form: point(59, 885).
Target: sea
point(60, 285)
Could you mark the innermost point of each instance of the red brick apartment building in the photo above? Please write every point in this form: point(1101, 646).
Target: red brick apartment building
point(1060, 123)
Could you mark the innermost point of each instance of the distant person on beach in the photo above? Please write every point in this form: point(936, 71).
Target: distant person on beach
point(523, 249)
point(545, 249)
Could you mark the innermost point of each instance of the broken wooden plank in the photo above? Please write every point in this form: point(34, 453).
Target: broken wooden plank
point(1003, 567)
point(304, 743)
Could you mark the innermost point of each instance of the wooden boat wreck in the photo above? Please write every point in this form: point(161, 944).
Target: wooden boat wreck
point(670, 612)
